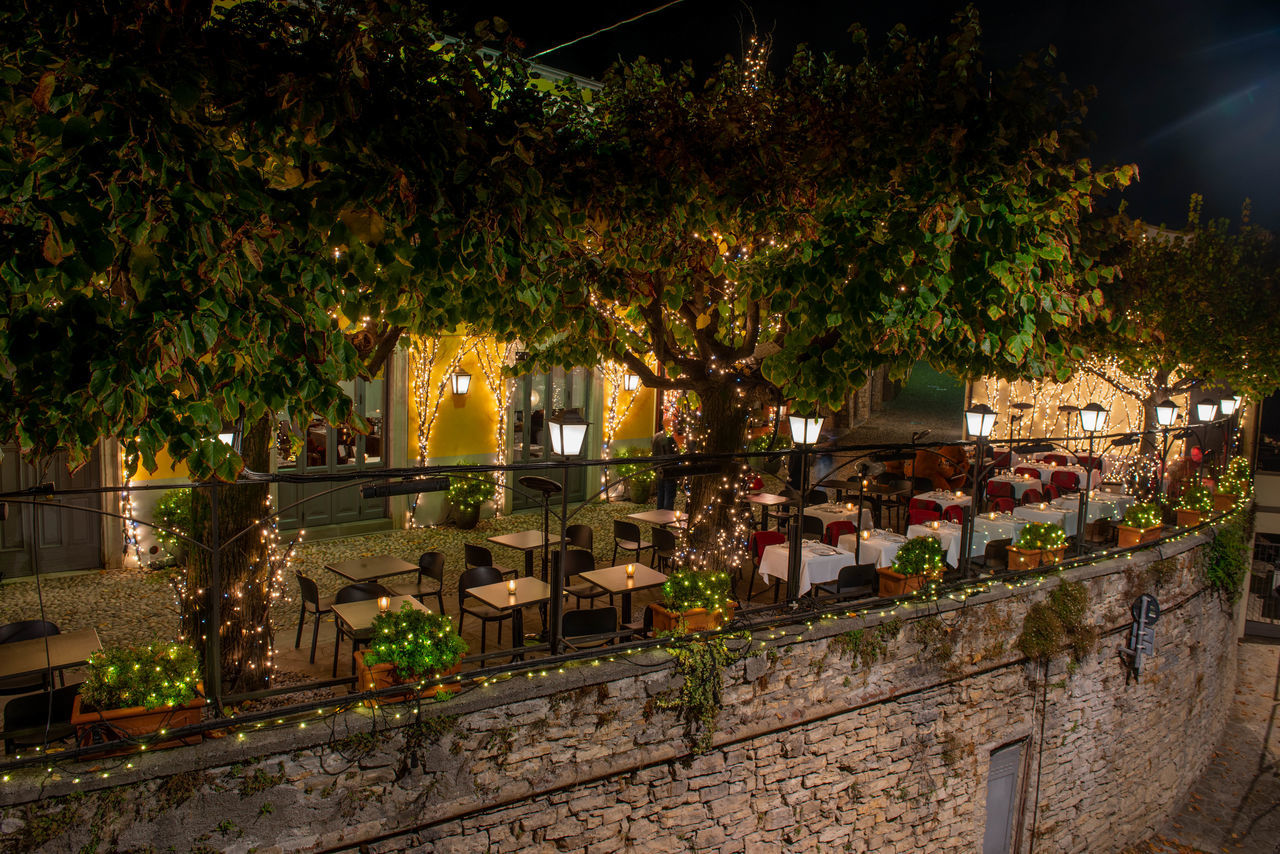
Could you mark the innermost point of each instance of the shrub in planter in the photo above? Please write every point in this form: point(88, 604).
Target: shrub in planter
point(694, 600)
point(1039, 544)
point(467, 491)
point(1195, 503)
point(920, 559)
point(173, 512)
point(1234, 484)
point(1141, 523)
point(639, 476)
point(407, 646)
point(137, 691)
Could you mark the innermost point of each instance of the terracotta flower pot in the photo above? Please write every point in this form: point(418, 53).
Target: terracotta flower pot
point(1130, 536)
point(1020, 558)
point(96, 727)
point(378, 676)
point(1223, 503)
point(693, 620)
point(895, 584)
point(1188, 518)
point(1049, 557)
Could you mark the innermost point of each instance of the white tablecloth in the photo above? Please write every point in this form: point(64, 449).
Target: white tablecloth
point(829, 513)
point(818, 563)
point(1005, 526)
point(1019, 483)
point(1055, 514)
point(1046, 471)
point(880, 548)
point(1102, 505)
point(945, 499)
point(948, 535)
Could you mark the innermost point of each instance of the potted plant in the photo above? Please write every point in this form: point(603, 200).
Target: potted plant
point(760, 445)
point(695, 600)
point(172, 515)
point(1233, 485)
point(1039, 544)
point(138, 691)
point(466, 493)
point(1194, 504)
point(919, 559)
point(639, 477)
point(410, 645)
point(1141, 524)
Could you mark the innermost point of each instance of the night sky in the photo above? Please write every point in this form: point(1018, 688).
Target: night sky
point(1187, 89)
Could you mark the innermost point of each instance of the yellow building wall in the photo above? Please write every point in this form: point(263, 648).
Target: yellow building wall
point(463, 425)
point(638, 422)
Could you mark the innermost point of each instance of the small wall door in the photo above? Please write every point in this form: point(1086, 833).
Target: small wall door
point(1002, 798)
point(50, 538)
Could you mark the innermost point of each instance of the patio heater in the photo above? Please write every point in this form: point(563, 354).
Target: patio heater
point(979, 421)
point(1206, 411)
point(1093, 418)
point(1166, 414)
point(568, 431)
point(805, 430)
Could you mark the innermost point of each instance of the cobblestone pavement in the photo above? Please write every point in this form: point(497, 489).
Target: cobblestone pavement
point(1235, 806)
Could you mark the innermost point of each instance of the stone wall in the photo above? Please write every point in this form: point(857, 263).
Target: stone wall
point(866, 734)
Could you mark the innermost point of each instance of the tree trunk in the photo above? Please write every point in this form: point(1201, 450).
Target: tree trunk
point(244, 573)
point(719, 523)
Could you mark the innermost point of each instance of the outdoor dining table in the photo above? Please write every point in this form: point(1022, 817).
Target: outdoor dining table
point(1046, 470)
point(819, 563)
point(615, 581)
point(1102, 505)
point(949, 536)
point(662, 518)
point(1020, 483)
point(945, 498)
point(1055, 514)
point(527, 542)
point(767, 500)
point(69, 649)
point(998, 526)
point(529, 591)
point(829, 513)
point(359, 616)
point(362, 569)
point(879, 547)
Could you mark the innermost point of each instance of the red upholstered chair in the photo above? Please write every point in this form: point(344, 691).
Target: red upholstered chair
point(1032, 496)
point(954, 513)
point(999, 489)
point(1003, 504)
point(1002, 460)
point(1052, 491)
point(760, 540)
point(1066, 481)
point(921, 516)
point(837, 529)
point(1087, 462)
point(923, 504)
point(1056, 459)
point(1028, 471)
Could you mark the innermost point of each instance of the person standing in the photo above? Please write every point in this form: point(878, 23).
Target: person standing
point(664, 446)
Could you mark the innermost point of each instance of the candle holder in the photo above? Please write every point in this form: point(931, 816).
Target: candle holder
point(384, 604)
point(935, 524)
point(631, 570)
point(511, 587)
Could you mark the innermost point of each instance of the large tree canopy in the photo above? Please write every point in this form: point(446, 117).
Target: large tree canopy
point(782, 234)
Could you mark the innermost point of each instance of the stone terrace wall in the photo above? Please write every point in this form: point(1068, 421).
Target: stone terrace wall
point(817, 749)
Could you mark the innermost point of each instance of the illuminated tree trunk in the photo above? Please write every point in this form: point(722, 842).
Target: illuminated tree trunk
point(245, 574)
point(720, 523)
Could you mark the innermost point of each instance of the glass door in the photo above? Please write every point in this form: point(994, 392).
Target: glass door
point(538, 397)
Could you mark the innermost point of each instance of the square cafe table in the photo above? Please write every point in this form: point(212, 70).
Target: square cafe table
point(361, 569)
point(662, 518)
point(527, 542)
point(818, 563)
point(358, 617)
point(69, 649)
point(880, 547)
point(767, 500)
point(529, 591)
point(613, 579)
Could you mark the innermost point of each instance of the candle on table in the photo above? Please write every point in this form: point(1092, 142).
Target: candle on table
point(384, 604)
point(511, 587)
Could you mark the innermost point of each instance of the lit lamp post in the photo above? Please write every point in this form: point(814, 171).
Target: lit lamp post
point(1093, 418)
point(1206, 411)
point(1166, 414)
point(568, 431)
point(979, 421)
point(1228, 406)
point(805, 431)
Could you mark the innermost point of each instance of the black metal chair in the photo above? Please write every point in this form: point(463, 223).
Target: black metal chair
point(815, 497)
point(812, 528)
point(576, 562)
point(586, 628)
point(626, 535)
point(474, 555)
point(995, 557)
point(665, 547)
point(479, 576)
point(361, 592)
point(27, 630)
point(430, 581)
point(316, 605)
point(35, 720)
point(856, 581)
point(580, 537)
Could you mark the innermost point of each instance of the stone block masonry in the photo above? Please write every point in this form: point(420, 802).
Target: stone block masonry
point(869, 734)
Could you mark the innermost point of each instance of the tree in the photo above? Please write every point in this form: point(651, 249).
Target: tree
point(199, 207)
point(777, 236)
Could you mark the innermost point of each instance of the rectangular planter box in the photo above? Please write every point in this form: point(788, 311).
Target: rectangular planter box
point(1130, 536)
point(379, 676)
point(1049, 557)
point(693, 620)
point(1188, 518)
point(1020, 558)
point(95, 727)
point(1223, 503)
point(894, 584)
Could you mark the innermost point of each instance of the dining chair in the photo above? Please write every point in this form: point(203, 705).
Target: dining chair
point(479, 576)
point(665, 548)
point(1065, 481)
point(1032, 496)
point(920, 516)
point(1056, 459)
point(837, 529)
point(999, 489)
point(761, 540)
point(1002, 460)
point(361, 592)
point(626, 535)
point(27, 630)
point(581, 537)
point(430, 580)
point(586, 628)
point(576, 562)
point(1028, 471)
point(954, 513)
point(811, 527)
point(477, 555)
point(816, 496)
point(995, 557)
point(1003, 505)
point(315, 605)
point(1051, 491)
point(37, 720)
point(856, 581)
